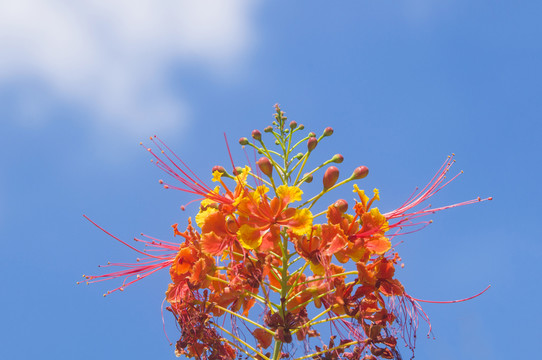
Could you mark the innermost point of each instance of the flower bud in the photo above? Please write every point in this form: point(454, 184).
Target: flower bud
point(243, 141)
point(308, 178)
point(237, 171)
point(337, 158)
point(360, 172)
point(311, 134)
point(218, 168)
point(330, 177)
point(268, 129)
point(341, 205)
point(256, 135)
point(328, 131)
point(265, 166)
point(311, 144)
point(301, 127)
point(293, 124)
point(298, 156)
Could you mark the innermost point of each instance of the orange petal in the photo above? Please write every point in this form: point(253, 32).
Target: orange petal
point(264, 338)
point(213, 244)
point(378, 244)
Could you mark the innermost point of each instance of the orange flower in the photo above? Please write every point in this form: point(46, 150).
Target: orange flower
point(257, 215)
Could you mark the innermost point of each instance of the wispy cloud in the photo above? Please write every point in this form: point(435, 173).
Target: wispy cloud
point(111, 58)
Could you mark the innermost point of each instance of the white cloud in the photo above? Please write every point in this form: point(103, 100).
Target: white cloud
point(112, 57)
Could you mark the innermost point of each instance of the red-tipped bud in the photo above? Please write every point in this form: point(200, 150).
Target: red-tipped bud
point(360, 172)
point(341, 205)
point(328, 131)
point(268, 129)
point(265, 166)
point(301, 127)
point(293, 124)
point(256, 135)
point(218, 168)
point(243, 141)
point(330, 177)
point(237, 171)
point(311, 134)
point(311, 144)
point(337, 158)
point(308, 178)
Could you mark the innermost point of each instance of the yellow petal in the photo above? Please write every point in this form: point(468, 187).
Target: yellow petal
point(376, 194)
point(379, 219)
point(216, 175)
point(301, 223)
point(364, 198)
point(249, 237)
point(289, 194)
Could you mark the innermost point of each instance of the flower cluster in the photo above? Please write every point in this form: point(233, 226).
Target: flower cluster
point(257, 254)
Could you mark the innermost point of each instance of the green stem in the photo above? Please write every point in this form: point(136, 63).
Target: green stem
point(297, 279)
point(240, 349)
point(315, 198)
point(277, 349)
point(329, 319)
point(262, 180)
point(294, 261)
point(328, 350)
point(305, 157)
point(331, 276)
point(315, 170)
point(241, 317)
point(241, 341)
point(311, 300)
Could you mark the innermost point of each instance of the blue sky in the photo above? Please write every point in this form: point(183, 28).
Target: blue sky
point(403, 83)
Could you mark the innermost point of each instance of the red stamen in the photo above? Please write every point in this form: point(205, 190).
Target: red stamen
point(141, 269)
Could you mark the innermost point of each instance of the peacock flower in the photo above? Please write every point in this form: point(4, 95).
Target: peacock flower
point(259, 254)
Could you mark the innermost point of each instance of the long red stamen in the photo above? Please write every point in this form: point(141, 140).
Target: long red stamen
point(449, 301)
point(404, 216)
point(141, 269)
point(192, 184)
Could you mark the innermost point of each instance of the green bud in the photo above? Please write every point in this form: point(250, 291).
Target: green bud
point(243, 141)
point(308, 178)
point(341, 205)
point(256, 135)
point(218, 168)
point(337, 158)
point(360, 172)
